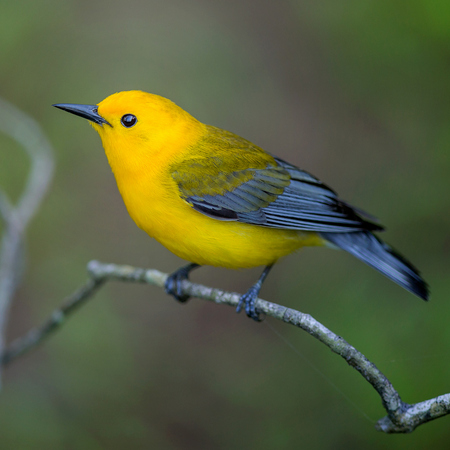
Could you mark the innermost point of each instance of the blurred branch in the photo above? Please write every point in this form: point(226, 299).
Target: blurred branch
point(34, 337)
point(24, 130)
point(401, 418)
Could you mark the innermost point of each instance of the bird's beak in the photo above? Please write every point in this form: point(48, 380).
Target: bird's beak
point(89, 112)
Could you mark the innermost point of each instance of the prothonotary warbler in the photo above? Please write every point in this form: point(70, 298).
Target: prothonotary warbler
point(214, 198)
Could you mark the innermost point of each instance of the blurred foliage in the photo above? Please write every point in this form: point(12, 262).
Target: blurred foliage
point(355, 92)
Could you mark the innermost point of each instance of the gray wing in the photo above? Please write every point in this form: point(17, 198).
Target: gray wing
point(281, 196)
point(308, 204)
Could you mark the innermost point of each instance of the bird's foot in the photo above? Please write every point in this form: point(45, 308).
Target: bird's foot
point(173, 284)
point(248, 300)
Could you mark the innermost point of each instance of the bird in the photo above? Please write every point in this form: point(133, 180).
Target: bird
point(214, 198)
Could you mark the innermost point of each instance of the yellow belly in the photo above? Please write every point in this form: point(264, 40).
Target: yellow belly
point(234, 245)
point(206, 241)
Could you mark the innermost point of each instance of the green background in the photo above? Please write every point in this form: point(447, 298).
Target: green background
point(357, 92)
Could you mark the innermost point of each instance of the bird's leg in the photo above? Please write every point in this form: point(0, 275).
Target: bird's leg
point(249, 298)
point(173, 282)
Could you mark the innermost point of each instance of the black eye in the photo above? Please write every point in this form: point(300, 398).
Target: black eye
point(128, 120)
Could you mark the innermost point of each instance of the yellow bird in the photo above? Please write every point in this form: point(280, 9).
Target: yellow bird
point(214, 198)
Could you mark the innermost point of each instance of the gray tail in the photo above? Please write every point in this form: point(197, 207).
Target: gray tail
point(371, 250)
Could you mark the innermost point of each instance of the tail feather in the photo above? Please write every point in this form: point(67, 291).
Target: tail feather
point(368, 248)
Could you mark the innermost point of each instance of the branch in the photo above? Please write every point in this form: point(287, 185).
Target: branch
point(401, 418)
point(24, 130)
point(415, 415)
point(34, 337)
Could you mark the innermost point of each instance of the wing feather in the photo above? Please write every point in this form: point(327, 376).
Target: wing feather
point(253, 187)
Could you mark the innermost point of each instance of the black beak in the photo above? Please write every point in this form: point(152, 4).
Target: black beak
point(89, 112)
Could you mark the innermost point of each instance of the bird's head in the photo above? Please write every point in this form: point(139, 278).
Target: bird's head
point(135, 125)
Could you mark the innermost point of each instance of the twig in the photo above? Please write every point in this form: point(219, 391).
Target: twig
point(34, 337)
point(26, 132)
point(415, 415)
point(401, 418)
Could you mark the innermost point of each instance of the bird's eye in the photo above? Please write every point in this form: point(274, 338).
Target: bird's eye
point(128, 120)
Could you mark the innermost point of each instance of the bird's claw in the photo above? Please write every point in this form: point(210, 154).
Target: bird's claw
point(248, 300)
point(173, 285)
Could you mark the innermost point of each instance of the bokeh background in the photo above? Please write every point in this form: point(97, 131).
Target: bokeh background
point(356, 92)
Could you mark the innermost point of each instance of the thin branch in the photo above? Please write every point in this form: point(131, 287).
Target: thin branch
point(34, 337)
point(27, 132)
point(415, 415)
point(24, 130)
point(401, 418)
